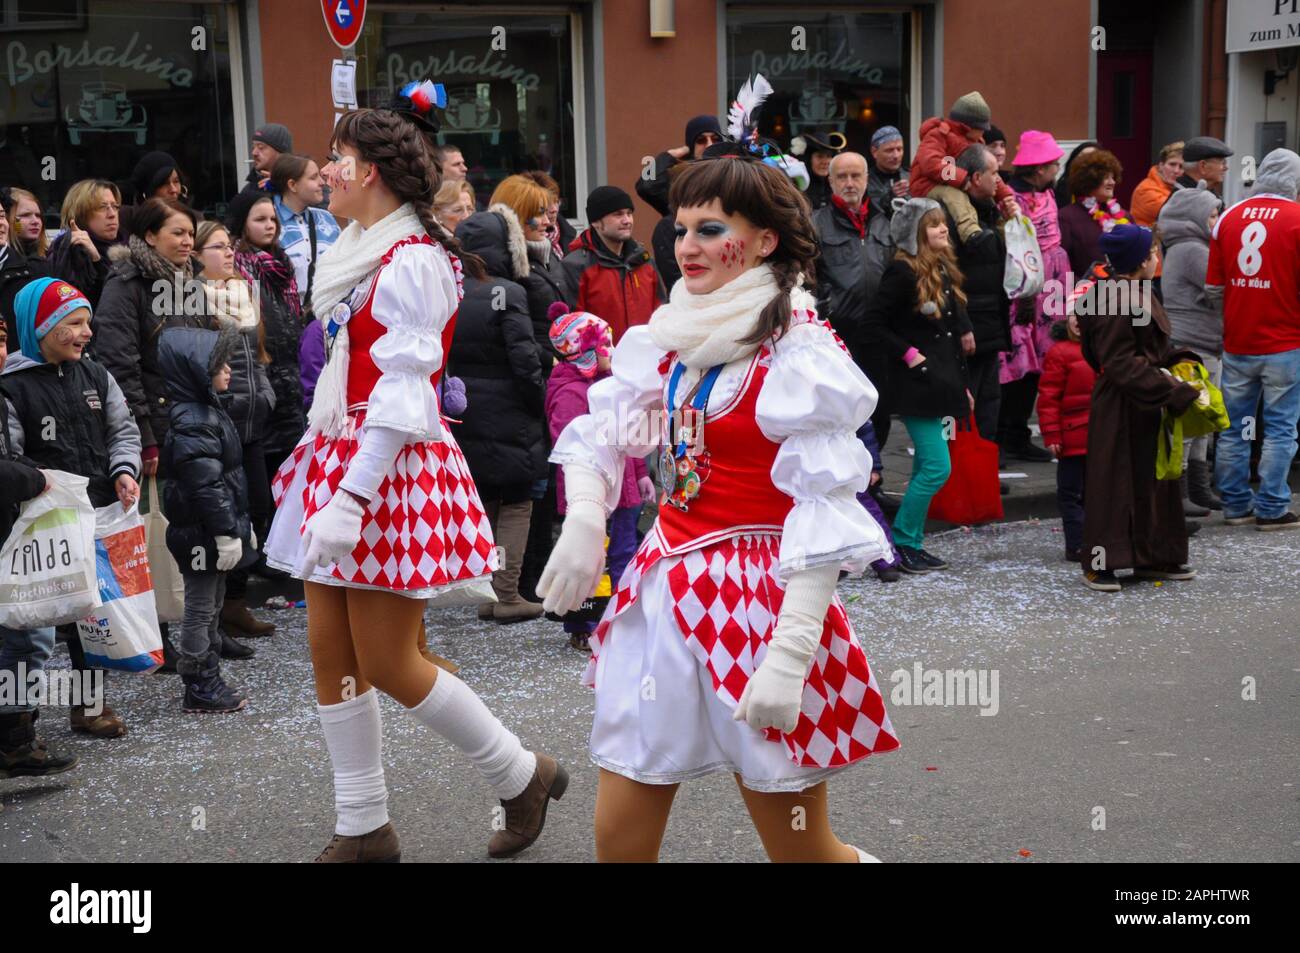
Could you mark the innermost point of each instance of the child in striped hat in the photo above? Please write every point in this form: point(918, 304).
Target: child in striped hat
point(585, 343)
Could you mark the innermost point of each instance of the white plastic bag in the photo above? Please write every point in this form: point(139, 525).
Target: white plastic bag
point(1023, 277)
point(47, 565)
point(123, 634)
point(168, 583)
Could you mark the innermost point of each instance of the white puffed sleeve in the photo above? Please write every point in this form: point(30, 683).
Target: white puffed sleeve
point(415, 297)
point(623, 417)
point(813, 401)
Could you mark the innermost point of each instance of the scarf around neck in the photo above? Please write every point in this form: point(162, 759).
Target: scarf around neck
point(857, 217)
point(153, 265)
point(706, 329)
point(343, 266)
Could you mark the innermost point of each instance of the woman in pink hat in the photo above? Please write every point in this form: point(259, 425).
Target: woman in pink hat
point(1037, 162)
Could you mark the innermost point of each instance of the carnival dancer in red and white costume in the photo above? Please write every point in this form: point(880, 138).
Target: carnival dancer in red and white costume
point(376, 509)
point(724, 647)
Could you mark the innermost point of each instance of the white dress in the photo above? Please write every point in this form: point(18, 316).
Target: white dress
point(693, 612)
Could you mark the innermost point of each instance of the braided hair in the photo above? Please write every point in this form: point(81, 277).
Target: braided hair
point(402, 152)
point(765, 196)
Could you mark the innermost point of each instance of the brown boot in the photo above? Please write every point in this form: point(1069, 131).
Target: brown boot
point(107, 724)
point(526, 813)
point(485, 610)
point(421, 643)
point(378, 847)
point(512, 536)
point(235, 614)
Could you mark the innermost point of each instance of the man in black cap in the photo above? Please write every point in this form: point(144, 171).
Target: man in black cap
point(652, 187)
point(270, 141)
point(1204, 157)
point(606, 271)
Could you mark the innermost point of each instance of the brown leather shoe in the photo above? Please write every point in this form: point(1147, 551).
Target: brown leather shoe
point(107, 724)
point(526, 813)
point(235, 614)
point(378, 847)
point(485, 611)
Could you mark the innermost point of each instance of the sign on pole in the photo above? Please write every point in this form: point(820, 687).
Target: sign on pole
point(344, 19)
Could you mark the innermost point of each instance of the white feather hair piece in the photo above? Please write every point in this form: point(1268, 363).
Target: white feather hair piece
point(740, 118)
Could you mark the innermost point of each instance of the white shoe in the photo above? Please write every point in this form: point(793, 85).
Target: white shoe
point(865, 858)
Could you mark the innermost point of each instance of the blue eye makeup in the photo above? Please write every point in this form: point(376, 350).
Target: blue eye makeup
point(705, 230)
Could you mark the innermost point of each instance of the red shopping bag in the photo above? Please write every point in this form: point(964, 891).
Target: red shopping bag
point(972, 494)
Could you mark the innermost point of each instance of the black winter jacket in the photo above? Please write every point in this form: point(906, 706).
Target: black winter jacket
point(126, 339)
point(20, 481)
point(983, 261)
point(663, 241)
point(936, 387)
point(495, 353)
point(848, 275)
point(15, 272)
point(74, 265)
point(72, 417)
point(544, 285)
point(206, 494)
point(284, 328)
point(251, 397)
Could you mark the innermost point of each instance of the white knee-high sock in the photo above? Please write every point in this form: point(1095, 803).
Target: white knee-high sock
point(455, 712)
point(353, 734)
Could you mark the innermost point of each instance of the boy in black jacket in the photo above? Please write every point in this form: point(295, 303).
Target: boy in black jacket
point(67, 413)
point(209, 529)
point(21, 754)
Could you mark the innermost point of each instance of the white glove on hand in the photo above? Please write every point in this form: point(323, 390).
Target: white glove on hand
point(252, 539)
point(573, 571)
point(774, 694)
point(229, 549)
point(333, 532)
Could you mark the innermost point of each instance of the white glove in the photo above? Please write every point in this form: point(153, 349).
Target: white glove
point(372, 461)
point(573, 571)
point(334, 531)
point(774, 694)
point(252, 538)
point(229, 549)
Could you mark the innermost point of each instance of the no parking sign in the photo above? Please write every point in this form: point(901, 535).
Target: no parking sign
point(344, 19)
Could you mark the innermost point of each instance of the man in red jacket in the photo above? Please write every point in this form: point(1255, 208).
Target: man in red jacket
point(606, 271)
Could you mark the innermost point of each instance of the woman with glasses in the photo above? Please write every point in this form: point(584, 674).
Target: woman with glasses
point(91, 221)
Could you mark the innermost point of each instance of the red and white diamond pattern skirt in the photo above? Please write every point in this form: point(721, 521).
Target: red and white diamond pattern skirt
point(423, 534)
point(678, 643)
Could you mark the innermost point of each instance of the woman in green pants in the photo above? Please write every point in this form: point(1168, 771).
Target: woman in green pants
point(918, 320)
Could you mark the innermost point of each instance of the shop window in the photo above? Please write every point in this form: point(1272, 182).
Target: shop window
point(509, 110)
point(89, 86)
point(848, 72)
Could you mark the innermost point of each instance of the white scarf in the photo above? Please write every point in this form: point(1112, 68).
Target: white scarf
point(344, 265)
point(706, 329)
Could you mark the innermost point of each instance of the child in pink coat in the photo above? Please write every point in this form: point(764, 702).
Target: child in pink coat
point(585, 343)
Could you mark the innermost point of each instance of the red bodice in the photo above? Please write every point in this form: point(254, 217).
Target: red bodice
point(364, 331)
point(737, 497)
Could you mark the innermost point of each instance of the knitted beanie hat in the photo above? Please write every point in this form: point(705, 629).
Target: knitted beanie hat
point(972, 110)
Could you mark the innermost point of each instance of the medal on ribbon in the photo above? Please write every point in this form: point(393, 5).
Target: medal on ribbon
point(684, 465)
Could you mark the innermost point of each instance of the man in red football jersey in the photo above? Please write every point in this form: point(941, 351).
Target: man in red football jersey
point(1254, 268)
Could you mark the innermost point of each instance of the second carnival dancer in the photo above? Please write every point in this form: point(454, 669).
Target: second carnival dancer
point(376, 509)
point(725, 647)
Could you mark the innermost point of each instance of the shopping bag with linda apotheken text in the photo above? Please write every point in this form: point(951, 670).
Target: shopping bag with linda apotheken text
point(47, 565)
